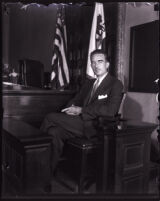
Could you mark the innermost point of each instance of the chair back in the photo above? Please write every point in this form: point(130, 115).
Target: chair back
point(120, 111)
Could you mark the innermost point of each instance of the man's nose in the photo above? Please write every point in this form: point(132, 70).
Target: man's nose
point(96, 64)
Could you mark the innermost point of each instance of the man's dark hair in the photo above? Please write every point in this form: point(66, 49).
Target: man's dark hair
point(98, 51)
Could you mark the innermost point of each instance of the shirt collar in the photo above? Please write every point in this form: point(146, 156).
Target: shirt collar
point(102, 77)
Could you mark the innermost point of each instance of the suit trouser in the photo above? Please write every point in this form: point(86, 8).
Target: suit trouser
point(61, 127)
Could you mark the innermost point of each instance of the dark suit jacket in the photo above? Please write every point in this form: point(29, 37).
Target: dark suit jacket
point(111, 88)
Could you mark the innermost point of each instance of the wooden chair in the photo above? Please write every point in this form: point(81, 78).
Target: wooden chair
point(119, 162)
point(82, 154)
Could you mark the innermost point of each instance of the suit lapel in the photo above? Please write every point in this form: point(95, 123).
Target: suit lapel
point(89, 91)
point(102, 87)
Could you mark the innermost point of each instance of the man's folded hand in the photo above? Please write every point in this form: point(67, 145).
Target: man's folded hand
point(73, 110)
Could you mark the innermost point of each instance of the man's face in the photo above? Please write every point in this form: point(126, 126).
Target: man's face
point(99, 64)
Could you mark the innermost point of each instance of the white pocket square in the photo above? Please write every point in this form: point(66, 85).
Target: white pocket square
point(102, 96)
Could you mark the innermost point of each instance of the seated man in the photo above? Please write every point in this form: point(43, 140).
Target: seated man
point(98, 97)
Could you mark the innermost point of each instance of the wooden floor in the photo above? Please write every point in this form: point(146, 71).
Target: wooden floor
point(63, 185)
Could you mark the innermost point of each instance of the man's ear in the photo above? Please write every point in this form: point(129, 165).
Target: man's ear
point(107, 64)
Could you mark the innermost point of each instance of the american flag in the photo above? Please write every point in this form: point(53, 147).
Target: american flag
point(98, 34)
point(60, 71)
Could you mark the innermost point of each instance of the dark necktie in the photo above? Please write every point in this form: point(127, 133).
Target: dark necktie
point(95, 86)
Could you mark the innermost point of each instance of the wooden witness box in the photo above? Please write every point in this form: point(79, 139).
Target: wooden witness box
point(123, 165)
point(125, 162)
point(26, 151)
point(31, 105)
point(26, 157)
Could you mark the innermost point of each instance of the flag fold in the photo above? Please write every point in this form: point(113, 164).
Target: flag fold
point(60, 71)
point(97, 36)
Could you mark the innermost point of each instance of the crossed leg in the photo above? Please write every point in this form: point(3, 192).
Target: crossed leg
point(61, 127)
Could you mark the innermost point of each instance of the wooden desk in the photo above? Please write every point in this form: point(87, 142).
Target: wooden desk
point(126, 157)
point(32, 105)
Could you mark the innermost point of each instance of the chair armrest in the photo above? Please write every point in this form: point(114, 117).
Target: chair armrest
point(108, 121)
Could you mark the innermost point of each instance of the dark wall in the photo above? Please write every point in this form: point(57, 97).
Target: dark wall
point(32, 33)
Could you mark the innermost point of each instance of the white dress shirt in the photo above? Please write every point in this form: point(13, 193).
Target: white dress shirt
point(97, 83)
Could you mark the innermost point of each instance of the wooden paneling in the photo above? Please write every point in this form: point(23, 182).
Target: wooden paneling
point(26, 157)
point(126, 157)
point(132, 184)
point(133, 155)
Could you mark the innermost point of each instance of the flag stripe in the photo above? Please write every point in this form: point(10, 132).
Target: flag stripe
point(60, 77)
point(60, 32)
point(58, 37)
point(61, 64)
point(54, 58)
point(59, 61)
point(61, 49)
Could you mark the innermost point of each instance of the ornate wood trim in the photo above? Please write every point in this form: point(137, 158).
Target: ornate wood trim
point(119, 58)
